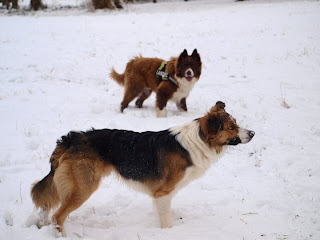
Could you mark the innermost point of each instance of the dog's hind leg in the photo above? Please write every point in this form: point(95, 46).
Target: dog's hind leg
point(128, 97)
point(73, 201)
point(145, 94)
point(131, 92)
point(44, 217)
point(163, 207)
point(76, 180)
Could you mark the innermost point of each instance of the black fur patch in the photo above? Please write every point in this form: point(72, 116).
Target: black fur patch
point(136, 156)
point(72, 139)
point(201, 134)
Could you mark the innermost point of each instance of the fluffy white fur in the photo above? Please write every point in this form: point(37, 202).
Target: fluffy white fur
point(201, 155)
point(184, 88)
point(182, 92)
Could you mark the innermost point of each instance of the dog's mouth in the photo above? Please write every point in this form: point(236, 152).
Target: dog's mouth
point(189, 79)
point(189, 74)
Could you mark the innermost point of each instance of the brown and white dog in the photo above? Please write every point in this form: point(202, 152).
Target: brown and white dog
point(139, 80)
point(157, 163)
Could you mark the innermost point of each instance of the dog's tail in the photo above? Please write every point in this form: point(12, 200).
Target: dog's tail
point(119, 78)
point(44, 193)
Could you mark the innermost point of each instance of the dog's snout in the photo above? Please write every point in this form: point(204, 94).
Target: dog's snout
point(251, 134)
point(245, 135)
point(188, 72)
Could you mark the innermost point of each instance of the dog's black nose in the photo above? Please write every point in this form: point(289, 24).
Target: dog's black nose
point(251, 134)
point(189, 73)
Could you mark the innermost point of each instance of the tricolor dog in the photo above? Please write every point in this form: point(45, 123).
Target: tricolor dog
point(172, 80)
point(156, 163)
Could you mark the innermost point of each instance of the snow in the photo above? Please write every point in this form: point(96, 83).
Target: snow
point(257, 56)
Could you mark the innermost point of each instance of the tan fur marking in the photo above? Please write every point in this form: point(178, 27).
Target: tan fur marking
point(174, 171)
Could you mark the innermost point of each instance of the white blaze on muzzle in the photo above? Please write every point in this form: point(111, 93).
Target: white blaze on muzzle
point(245, 135)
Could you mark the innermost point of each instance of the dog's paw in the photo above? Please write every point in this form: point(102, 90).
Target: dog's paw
point(161, 113)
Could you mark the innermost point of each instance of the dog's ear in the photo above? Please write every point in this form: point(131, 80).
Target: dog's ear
point(195, 54)
point(215, 123)
point(219, 106)
point(184, 54)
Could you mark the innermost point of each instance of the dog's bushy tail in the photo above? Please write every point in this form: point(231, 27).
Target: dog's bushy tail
point(44, 193)
point(119, 78)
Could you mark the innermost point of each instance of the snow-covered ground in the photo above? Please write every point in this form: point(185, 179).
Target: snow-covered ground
point(262, 58)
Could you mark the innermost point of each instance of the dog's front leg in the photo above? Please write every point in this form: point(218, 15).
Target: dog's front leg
point(161, 113)
point(163, 207)
point(164, 93)
point(182, 105)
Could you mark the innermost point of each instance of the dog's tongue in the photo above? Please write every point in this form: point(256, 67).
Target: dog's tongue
point(189, 79)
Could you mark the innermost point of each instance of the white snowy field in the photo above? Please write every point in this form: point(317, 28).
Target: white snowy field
point(262, 58)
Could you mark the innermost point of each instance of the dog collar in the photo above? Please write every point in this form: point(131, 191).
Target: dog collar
point(162, 74)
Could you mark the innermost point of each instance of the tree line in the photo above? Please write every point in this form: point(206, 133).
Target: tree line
point(97, 4)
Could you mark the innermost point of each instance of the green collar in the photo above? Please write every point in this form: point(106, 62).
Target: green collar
point(163, 75)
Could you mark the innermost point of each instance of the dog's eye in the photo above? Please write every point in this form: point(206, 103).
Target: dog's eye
point(231, 127)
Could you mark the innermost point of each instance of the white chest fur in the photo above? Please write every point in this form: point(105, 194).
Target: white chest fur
point(201, 155)
point(184, 88)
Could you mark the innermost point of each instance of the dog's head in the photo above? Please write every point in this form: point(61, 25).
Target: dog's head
point(218, 128)
point(189, 67)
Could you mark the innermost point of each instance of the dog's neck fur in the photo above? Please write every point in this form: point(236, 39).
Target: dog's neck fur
point(184, 88)
point(189, 137)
